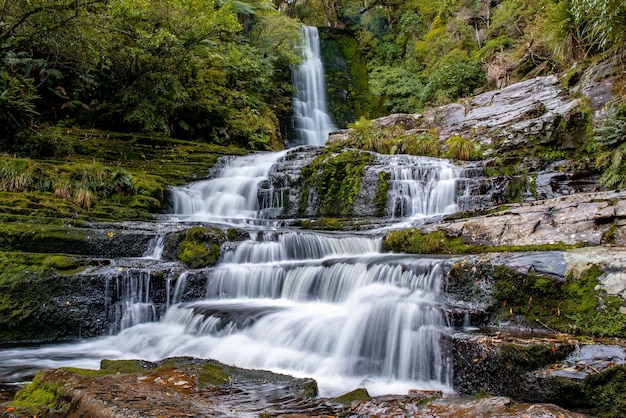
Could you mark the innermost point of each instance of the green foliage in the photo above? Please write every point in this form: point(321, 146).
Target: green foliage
point(398, 87)
point(455, 75)
point(459, 148)
point(217, 71)
point(17, 103)
point(610, 140)
point(425, 144)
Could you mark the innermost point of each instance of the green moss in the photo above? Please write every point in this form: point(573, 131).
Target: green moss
point(38, 395)
point(121, 366)
point(608, 237)
point(334, 179)
point(346, 76)
point(359, 394)
point(413, 241)
point(102, 176)
point(605, 392)
point(573, 306)
point(212, 375)
point(381, 193)
point(88, 372)
point(60, 262)
point(231, 234)
point(199, 247)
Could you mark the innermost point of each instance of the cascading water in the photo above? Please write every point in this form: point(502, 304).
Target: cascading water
point(311, 121)
point(232, 194)
point(422, 186)
point(332, 307)
point(324, 306)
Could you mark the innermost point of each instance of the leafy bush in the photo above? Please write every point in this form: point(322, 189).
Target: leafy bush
point(455, 76)
point(17, 104)
point(423, 144)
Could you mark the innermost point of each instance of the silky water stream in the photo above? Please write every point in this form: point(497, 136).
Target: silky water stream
point(328, 306)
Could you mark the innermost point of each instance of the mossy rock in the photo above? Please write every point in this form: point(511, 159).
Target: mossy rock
point(40, 396)
point(346, 76)
point(197, 247)
point(122, 366)
point(332, 183)
point(212, 375)
point(359, 394)
point(61, 262)
point(41, 304)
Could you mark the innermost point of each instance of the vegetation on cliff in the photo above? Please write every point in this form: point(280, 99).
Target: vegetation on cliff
point(427, 53)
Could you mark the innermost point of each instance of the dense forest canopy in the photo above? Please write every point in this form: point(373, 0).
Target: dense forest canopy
point(219, 70)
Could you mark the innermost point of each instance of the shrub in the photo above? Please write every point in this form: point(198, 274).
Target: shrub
point(459, 148)
point(17, 107)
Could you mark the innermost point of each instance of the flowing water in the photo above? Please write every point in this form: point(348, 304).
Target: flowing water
point(328, 306)
point(311, 121)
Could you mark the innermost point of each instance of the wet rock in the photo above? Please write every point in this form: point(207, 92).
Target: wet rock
point(597, 83)
point(493, 407)
point(580, 218)
point(173, 387)
point(405, 121)
point(589, 359)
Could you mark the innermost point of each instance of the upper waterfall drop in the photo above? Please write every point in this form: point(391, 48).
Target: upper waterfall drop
point(311, 121)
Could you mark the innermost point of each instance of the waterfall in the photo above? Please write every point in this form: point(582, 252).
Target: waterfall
point(311, 121)
point(232, 194)
point(423, 186)
point(331, 307)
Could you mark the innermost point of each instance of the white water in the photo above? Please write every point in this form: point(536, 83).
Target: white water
point(232, 194)
point(323, 306)
point(311, 121)
point(332, 308)
point(422, 186)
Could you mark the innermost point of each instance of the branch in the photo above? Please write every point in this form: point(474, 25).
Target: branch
point(55, 6)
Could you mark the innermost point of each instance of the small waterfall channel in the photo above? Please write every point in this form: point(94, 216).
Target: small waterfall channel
point(328, 306)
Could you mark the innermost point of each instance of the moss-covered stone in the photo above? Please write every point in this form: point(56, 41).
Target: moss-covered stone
point(212, 375)
point(598, 394)
point(332, 183)
point(121, 366)
point(359, 394)
point(346, 76)
point(41, 396)
point(199, 246)
point(413, 241)
point(40, 303)
point(381, 193)
point(573, 306)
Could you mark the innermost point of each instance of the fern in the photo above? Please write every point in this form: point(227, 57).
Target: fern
point(610, 139)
